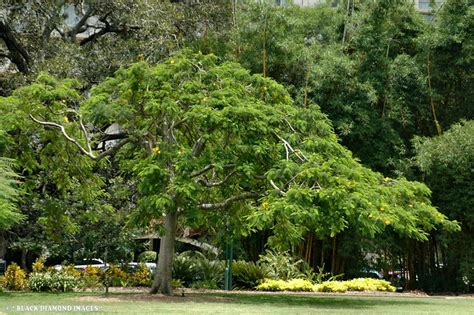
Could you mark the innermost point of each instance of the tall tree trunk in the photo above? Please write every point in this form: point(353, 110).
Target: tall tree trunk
point(24, 254)
point(3, 245)
point(334, 253)
point(164, 268)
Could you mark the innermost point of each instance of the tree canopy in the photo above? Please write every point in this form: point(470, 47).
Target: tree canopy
point(202, 135)
point(283, 151)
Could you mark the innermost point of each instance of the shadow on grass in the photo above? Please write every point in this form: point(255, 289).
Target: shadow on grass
point(339, 302)
point(258, 300)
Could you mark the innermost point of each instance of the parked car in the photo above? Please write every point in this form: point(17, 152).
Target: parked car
point(372, 273)
point(99, 263)
point(82, 264)
point(134, 265)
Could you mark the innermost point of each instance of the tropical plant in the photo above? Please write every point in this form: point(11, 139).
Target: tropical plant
point(248, 274)
point(15, 278)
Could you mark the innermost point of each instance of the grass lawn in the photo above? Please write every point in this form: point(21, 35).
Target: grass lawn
point(223, 303)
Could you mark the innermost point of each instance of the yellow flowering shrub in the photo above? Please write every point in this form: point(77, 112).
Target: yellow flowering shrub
point(15, 278)
point(141, 277)
point(92, 277)
point(285, 285)
point(38, 265)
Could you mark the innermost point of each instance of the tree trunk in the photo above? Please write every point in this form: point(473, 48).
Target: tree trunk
point(3, 245)
point(24, 254)
point(17, 53)
point(164, 268)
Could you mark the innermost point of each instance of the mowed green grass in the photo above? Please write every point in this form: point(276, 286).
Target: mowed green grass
point(223, 303)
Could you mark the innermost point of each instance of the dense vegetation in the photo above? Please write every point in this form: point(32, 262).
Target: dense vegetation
point(243, 123)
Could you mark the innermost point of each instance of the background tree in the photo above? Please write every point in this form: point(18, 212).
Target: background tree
point(89, 40)
point(447, 162)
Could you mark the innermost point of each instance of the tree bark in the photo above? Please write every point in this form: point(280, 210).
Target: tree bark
point(162, 281)
point(3, 245)
point(18, 55)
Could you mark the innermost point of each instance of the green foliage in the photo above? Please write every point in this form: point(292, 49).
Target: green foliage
point(321, 276)
point(141, 277)
point(326, 191)
point(447, 162)
point(130, 32)
point(9, 214)
point(183, 265)
point(207, 273)
point(114, 276)
point(55, 281)
point(147, 256)
point(281, 265)
point(248, 274)
point(195, 270)
point(92, 277)
point(15, 278)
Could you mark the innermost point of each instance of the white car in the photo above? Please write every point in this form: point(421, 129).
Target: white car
point(134, 265)
point(82, 264)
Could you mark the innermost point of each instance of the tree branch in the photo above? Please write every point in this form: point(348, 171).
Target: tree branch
point(18, 54)
point(201, 171)
point(289, 148)
point(198, 147)
point(112, 150)
point(207, 183)
point(108, 28)
point(63, 130)
point(79, 27)
point(280, 191)
point(228, 201)
point(88, 152)
point(83, 129)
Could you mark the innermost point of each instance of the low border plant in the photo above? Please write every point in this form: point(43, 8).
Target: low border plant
point(359, 284)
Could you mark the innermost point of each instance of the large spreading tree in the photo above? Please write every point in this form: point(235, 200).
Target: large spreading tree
point(202, 137)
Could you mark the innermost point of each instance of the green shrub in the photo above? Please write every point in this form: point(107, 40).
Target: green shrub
point(193, 269)
point(2, 283)
point(207, 273)
point(114, 276)
point(15, 278)
point(281, 265)
point(369, 284)
point(297, 285)
point(64, 282)
point(175, 283)
point(320, 276)
point(205, 284)
point(40, 281)
point(141, 277)
point(55, 281)
point(247, 275)
point(330, 286)
point(147, 256)
point(359, 284)
point(91, 277)
point(183, 268)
